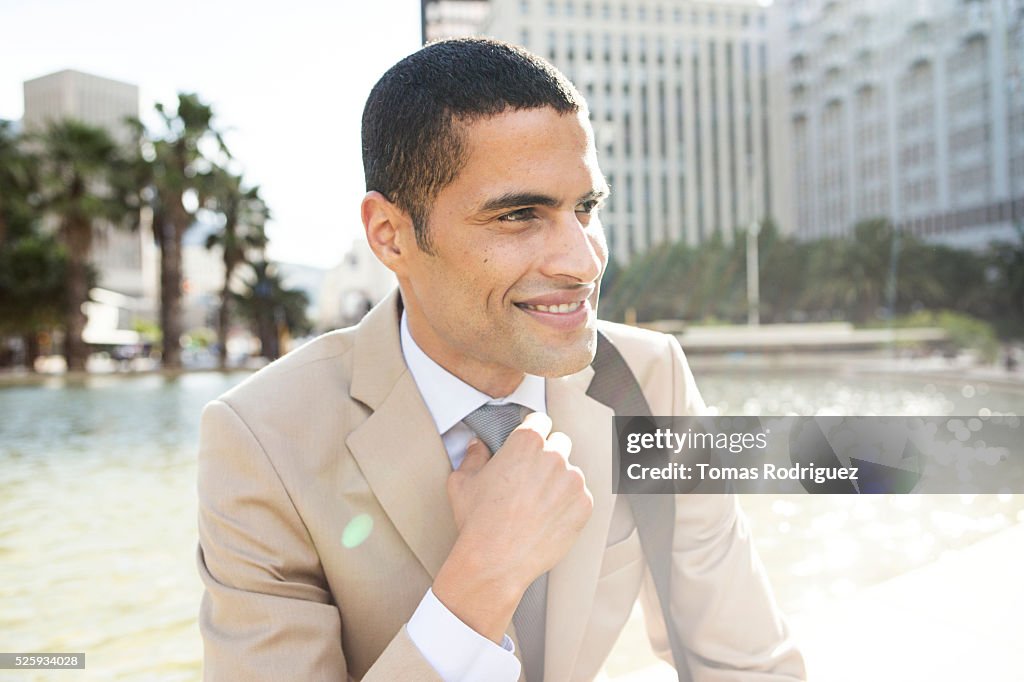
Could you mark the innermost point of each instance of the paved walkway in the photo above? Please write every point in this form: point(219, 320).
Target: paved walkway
point(959, 619)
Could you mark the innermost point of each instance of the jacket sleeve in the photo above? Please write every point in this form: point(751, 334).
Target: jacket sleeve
point(267, 612)
point(722, 602)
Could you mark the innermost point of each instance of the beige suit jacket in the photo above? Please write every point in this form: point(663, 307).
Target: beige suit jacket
point(337, 430)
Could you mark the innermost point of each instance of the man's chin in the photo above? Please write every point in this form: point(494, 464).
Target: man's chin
point(552, 363)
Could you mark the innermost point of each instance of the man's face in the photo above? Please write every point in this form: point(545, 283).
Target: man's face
point(512, 284)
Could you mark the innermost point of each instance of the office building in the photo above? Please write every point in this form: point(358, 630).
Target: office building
point(453, 18)
point(911, 111)
point(685, 103)
point(125, 262)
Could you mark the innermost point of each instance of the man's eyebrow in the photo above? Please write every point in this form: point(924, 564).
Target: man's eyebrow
point(595, 195)
point(516, 199)
point(519, 199)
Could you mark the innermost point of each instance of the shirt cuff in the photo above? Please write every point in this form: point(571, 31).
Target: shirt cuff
point(456, 651)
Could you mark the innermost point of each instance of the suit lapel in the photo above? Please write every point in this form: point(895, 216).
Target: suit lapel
point(398, 448)
point(403, 459)
point(573, 582)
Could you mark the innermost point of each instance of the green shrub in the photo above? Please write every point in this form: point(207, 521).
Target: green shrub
point(962, 331)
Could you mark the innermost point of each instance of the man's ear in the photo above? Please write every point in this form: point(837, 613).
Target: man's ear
point(388, 231)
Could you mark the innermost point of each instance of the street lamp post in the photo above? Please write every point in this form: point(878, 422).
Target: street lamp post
point(753, 277)
point(753, 273)
point(423, 21)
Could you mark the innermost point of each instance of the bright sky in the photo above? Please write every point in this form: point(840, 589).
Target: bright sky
point(287, 79)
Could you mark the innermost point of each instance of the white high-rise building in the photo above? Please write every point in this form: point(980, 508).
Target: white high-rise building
point(352, 287)
point(911, 111)
point(453, 18)
point(125, 262)
point(685, 102)
point(81, 96)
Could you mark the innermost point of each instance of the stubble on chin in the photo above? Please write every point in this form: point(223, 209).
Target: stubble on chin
point(552, 362)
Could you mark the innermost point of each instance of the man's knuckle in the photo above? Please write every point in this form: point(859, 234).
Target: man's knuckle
point(528, 438)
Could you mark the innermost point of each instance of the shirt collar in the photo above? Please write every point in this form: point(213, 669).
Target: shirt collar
point(448, 398)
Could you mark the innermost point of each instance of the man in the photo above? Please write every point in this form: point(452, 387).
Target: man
point(354, 521)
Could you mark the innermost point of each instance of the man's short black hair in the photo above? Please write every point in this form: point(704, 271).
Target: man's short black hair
point(413, 146)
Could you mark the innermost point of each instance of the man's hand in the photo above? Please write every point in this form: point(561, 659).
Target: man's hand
point(518, 513)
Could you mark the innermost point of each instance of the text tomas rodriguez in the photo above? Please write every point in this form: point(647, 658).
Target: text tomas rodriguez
point(703, 471)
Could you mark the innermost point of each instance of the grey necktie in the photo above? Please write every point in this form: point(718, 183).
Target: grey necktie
point(493, 424)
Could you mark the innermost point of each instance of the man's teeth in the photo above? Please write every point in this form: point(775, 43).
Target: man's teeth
point(559, 308)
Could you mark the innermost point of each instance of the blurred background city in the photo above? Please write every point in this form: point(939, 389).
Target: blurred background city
point(823, 200)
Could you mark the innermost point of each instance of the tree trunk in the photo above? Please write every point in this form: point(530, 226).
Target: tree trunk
point(78, 236)
point(224, 319)
point(31, 343)
point(170, 238)
point(224, 313)
point(268, 337)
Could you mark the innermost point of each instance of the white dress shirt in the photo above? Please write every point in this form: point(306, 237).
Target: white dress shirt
point(457, 652)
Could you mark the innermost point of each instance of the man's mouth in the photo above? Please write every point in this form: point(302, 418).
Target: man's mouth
point(558, 308)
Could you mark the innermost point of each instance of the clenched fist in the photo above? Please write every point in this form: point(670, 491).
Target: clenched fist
point(518, 513)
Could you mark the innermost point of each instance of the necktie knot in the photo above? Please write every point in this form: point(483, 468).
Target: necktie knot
point(493, 423)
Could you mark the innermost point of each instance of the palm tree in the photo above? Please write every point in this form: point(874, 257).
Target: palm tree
point(272, 308)
point(32, 264)
point(33, 270)
point(850, 273)
point(178, 170)
point(245, 216)
point(16, 180)
point(80, 175)
point(1006, 265)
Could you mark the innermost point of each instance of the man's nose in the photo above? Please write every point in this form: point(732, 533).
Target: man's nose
point(577, 250)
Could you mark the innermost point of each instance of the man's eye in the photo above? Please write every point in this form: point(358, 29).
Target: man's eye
point(519, 215)
point(588, 206)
